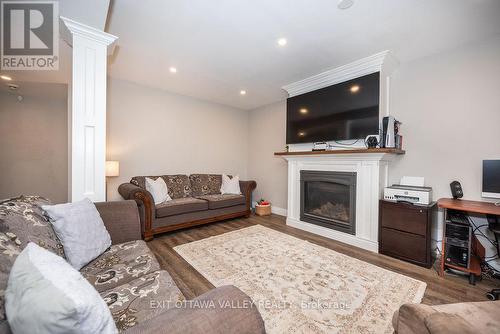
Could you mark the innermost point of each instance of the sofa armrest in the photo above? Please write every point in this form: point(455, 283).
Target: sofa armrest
point(121, 220)
point(145, 203)
point(225, 310)
point(410, 319)
point(246, 188)
point(444, 323)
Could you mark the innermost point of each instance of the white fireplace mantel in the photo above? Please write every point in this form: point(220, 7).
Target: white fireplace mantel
point(371, 177)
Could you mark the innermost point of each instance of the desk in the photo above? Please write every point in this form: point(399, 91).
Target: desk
point(466, 207)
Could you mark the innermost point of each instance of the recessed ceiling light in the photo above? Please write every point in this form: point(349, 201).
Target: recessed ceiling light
point(344, 4)
point(303, 111)
point(302, 133)
point(172, 70)
point(282, 41)
point(6, 77)
point(243, 92)
point(354, 89)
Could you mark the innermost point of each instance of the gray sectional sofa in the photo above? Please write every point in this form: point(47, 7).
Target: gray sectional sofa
point(142, 298)
point(196, 199)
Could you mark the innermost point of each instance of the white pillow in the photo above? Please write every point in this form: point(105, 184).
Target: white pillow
point(81, 231)
point(158, 189)
point(230, 186)
point(46, 295)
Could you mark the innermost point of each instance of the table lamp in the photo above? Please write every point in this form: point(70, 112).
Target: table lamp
point(112, 170)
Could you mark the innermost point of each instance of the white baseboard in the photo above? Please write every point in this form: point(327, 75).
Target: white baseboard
point(279, 211)
point(335, 235)
point(276, 210)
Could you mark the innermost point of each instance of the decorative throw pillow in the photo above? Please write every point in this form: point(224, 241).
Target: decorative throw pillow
point(158, 189)
point(22, 221)
point(230, 186)
point(81, 231)
point(46, 295)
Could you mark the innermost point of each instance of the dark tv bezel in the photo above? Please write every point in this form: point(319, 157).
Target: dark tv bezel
point(288, 142)
point(488, 194)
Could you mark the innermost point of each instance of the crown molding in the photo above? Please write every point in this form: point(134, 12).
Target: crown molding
point(380, 62)
point(70, 28)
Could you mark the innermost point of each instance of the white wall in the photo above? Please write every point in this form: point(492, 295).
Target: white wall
point(154, 132)
point(267, 131)
point(33, 142)
point(449, 104)
point(450, 108)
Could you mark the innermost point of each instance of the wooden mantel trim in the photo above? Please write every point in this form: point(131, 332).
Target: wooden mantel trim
point(344, 151)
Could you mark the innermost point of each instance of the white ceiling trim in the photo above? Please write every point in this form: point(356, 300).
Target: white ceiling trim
point(380, 62)
point(69, 28)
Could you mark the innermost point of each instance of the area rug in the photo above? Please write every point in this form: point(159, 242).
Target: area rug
point(300, 287)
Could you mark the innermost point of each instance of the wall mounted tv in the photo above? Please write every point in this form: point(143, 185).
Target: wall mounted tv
point(348, 110)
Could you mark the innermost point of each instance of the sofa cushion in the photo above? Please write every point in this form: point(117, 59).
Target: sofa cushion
point(80, 229)
point(205, 184)
point(22, 221)
point(142, 299)
point(180, 205)
point(46, 294)
point(178, 185)
point(120, 264)
point(223, 201)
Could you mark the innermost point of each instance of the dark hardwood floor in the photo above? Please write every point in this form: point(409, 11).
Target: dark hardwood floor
point(450, 289)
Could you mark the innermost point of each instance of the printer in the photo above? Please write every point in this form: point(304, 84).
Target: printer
point(405, 193)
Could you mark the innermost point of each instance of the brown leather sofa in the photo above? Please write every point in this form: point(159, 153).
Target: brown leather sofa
point(141, 296)
point(463, 318)
point(196, 200)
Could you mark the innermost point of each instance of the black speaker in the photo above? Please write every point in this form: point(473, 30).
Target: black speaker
point(456, 190)
point(371, 142)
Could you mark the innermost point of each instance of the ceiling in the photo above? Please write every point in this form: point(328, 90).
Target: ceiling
point(222, 47)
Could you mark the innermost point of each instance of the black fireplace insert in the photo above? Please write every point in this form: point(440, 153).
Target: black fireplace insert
point(328, 199)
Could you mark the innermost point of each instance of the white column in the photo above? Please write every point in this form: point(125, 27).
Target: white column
point(87, 115)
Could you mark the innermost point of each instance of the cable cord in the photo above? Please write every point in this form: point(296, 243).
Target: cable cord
point(476, 228)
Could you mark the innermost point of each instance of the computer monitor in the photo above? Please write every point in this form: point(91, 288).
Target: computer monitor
point(491, 178)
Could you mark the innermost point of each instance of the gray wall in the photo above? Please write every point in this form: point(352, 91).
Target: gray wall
point(33, 142)
point(449, 104)
point(154, 132)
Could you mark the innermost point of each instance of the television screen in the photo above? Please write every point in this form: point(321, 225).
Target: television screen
point(348, 110)
point(491, 178)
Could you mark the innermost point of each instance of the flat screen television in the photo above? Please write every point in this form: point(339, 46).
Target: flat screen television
point(348, 110)
point(491, 178)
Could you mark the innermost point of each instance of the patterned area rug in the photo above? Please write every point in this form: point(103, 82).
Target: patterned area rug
point(300, 287)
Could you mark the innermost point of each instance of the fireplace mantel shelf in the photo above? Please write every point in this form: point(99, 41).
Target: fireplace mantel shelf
point(344, 151)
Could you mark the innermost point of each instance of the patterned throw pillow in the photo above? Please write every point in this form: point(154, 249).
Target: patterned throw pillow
point(205, 184)
point(22, 221)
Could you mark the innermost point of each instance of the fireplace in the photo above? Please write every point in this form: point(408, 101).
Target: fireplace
point(328, 199)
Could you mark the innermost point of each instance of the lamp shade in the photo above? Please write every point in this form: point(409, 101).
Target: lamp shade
point(112, 168)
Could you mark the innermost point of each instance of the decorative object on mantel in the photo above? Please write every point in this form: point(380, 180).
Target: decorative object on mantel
point(320, 146)
point(263, 208)
point(372, 141)
point(312, 289)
